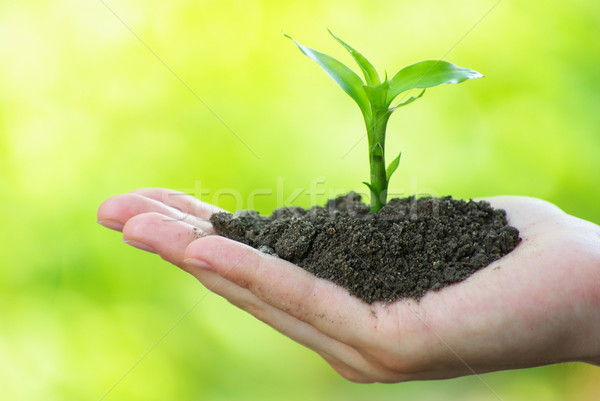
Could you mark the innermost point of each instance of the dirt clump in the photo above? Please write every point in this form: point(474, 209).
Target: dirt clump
point(409, 247)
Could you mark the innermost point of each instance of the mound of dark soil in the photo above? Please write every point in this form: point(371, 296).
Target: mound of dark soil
point(409, 247)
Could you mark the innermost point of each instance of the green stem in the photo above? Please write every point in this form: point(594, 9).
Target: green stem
point(376, 133)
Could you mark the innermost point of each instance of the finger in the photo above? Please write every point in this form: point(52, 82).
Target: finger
point(340, 356)
point(115, 211)
point(154, 232)
point(320, 303)
point(168, 238)
point(181, 201)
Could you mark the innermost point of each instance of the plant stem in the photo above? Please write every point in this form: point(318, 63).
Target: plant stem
point(376, 134)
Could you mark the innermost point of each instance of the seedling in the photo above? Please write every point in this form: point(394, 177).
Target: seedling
point(374, 98)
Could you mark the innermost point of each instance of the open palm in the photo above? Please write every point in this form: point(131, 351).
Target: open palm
point(539, 304)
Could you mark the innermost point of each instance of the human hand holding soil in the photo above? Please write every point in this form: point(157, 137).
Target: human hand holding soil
point(539, 304)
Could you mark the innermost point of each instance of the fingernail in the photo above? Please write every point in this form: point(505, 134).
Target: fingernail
point(139, 245)
point(113, 225)
point(197, 263)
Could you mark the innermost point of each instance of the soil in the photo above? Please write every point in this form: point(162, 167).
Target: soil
point(409, 247)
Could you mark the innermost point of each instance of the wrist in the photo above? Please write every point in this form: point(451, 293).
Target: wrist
point(582, 299)
point(593, 304)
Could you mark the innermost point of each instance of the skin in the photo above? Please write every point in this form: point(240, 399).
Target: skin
point(538, 305)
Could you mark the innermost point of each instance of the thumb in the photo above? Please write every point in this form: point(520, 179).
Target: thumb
point(283, 285)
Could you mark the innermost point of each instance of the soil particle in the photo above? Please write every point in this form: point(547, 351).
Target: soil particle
point(409, 247)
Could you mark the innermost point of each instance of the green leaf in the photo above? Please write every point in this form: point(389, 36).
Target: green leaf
point(371, 187)
point(367, 68)
point(377, 95)
point(409, 101)
point(347, 79)
point(427, 74)
point(392, 167)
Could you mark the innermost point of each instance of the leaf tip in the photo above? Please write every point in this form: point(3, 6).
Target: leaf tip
point(393, 166)
point(371, 187)
point(476, 74)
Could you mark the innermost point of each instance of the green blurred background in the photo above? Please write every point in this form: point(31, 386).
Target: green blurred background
point(87, 111)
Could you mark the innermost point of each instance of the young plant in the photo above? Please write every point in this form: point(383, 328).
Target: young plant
point(374, 98)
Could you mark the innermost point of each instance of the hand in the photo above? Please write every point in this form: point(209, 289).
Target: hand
point(540, 304)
